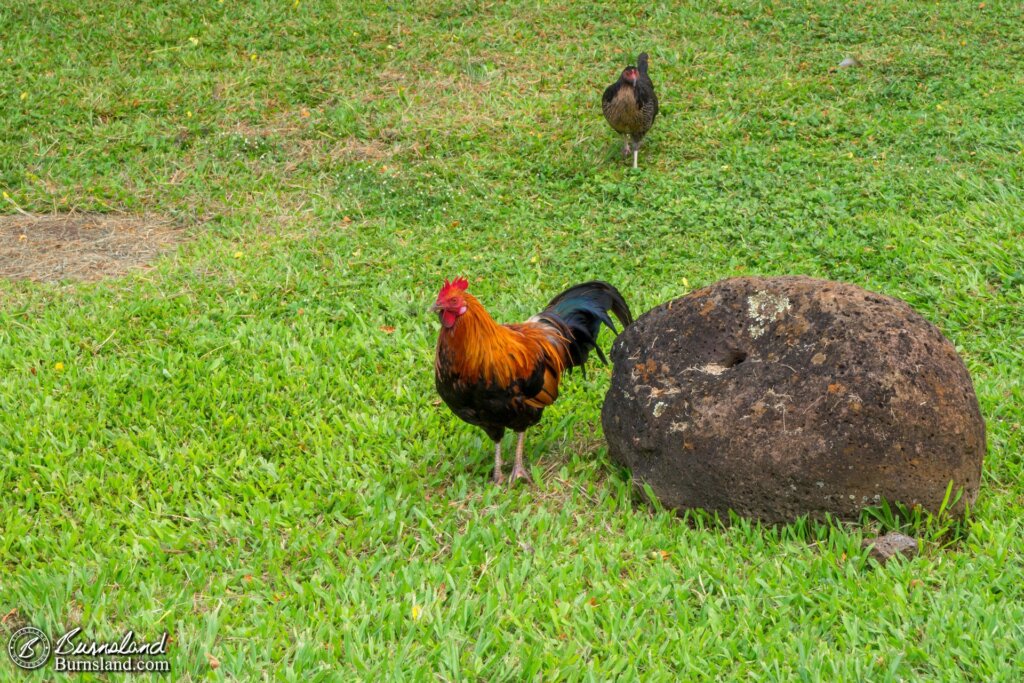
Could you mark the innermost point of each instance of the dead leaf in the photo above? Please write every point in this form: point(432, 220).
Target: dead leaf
point(387, 329)
point(214, 662)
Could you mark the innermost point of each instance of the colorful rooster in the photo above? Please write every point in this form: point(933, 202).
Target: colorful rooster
point(500, 377)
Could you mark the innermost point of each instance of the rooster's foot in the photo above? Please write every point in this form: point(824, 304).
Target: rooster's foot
point(520, 473)
point(498, 478)
point(519, 470)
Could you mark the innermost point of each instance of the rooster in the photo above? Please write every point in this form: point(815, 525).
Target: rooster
point(630, 105)
point(500, 377)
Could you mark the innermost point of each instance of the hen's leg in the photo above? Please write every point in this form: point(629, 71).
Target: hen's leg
point(636, 149)
point(498, 477)
point(627, 148)
point(518, 471)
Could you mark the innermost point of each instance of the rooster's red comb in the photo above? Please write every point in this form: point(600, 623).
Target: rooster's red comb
point(458, 283)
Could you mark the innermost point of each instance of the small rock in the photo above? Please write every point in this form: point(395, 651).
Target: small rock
point(849, 63)
point(886, 547)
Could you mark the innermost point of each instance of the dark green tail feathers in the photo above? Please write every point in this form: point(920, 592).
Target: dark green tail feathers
point(582, 309)
point(641, 63)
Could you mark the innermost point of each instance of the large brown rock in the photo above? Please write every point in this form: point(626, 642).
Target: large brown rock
point(778, 397)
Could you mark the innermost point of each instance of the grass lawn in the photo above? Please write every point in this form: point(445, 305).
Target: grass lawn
point(243, 445)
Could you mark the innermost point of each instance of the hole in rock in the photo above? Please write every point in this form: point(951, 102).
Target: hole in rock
point(734, 358)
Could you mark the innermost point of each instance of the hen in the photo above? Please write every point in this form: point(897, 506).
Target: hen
point(630, 105)
point(500, 377)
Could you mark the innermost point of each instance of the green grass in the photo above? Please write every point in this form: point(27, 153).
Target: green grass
point(241, 451)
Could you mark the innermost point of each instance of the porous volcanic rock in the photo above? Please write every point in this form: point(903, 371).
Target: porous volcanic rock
point(784, 396)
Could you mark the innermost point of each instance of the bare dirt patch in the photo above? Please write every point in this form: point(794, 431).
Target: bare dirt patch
point(81, 246)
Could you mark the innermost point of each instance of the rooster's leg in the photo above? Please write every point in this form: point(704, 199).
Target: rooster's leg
point(498, 477)
point(627, 148)
point(518, 471)
point(636, 150)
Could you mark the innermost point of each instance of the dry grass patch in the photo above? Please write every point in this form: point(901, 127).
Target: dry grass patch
point(81, 246)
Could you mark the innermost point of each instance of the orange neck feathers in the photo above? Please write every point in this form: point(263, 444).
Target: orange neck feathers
point(480, 348)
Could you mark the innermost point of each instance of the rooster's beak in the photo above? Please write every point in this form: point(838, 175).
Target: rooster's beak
point(434, 308)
